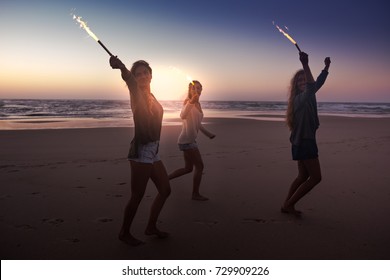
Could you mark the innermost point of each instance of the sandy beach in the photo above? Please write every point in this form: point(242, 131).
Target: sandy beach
point(63, 192)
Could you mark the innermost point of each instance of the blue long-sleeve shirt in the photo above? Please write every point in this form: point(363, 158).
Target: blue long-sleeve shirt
point(306, 122)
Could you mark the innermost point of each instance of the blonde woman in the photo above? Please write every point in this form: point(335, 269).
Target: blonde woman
point(192, 115)
point(302, 119)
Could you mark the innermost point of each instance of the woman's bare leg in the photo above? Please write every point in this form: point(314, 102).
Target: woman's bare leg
point(313, 169)
point(199, 166)
point(140, 174)
point(188, 166)
point(192, 158)
point(159, 177)
point(303, 175)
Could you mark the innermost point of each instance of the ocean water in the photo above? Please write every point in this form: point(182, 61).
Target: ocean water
point(112, 112)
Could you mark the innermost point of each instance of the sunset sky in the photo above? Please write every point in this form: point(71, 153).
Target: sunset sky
point(232, 47)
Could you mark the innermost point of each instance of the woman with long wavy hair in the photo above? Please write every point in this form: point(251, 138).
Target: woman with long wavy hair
point(143, 155)
point(302, 120)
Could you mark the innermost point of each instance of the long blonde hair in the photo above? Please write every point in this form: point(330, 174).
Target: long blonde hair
point(293, 91)
point(190, 85)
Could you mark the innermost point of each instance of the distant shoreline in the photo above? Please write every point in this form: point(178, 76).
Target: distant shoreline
point(57, 114)
point(85, 123)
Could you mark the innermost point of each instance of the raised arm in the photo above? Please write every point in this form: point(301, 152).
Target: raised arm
point(323, 75)
point(187, 107)
point(116, 63)
point(304, 58)
point(327, 64)
point(189, 104)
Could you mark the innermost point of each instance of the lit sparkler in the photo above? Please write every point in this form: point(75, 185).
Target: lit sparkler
point(190, 80)
point(287, 36)
point(177, 70)
point(84, 25)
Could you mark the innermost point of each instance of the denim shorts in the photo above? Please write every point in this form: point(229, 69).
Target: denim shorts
point(147, 153)
point(189, 146)
point(307, 149)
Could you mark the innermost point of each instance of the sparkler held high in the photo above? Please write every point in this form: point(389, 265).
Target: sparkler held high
point(190, 80)
point(287, 36)
point(84, 25)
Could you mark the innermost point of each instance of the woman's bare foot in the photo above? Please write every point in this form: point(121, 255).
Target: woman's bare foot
point(130, 240)
point(157, 232)
point(199, 197)
point(290, 210)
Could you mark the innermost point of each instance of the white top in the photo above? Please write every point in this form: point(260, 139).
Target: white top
point(192, 123)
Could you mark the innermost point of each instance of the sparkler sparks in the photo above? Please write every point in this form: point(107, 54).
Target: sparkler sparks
point(190, 80)
point(84, 25)
point(287, 35)
point(177, 70)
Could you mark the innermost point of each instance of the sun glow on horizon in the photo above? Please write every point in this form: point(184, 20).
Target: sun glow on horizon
point(169, 83)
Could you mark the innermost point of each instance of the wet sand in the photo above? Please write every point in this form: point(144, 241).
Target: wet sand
point(63, 192)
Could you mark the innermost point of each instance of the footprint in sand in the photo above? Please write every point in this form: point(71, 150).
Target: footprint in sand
point(104, 220)
point(72, 240)
point(254, 220)
point(25, 226)
point(6, 196)
point(115, 195)
point(54, 221)
point(207, 223)
point(264, 221)
point(35, 193)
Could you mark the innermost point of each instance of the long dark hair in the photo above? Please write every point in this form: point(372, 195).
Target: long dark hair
point(293, 91)
point(137, 64)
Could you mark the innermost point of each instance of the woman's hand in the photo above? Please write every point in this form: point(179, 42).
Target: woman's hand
point(116, 63)
point(327, 61)
point(195, 97)
point(304, 58)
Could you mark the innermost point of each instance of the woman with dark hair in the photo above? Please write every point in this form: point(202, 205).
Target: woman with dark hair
point(303, 122)
point(145, 163)
point(192, 116)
